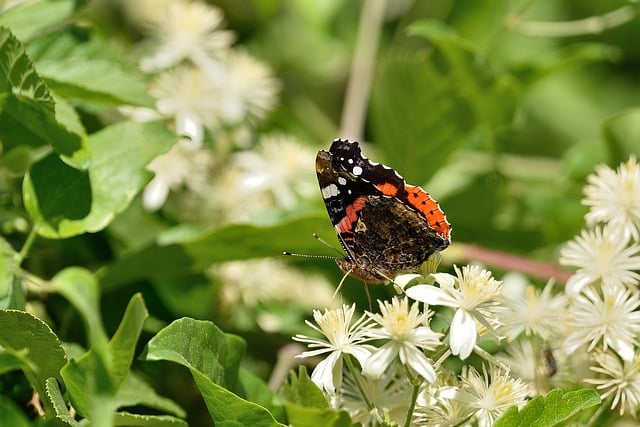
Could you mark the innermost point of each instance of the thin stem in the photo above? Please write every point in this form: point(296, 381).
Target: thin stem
point(591, 25)
point(414, 397)
point(356, 378)
point(27, 245)
point(362, 69)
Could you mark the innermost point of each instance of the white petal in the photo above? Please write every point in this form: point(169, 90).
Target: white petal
point(324, 372)
point(416, 359)
point(463, 334)
point(624, 349)
point(403, 280)
point(576, 283)
point(360, 353)
point(379, 361)
point(155, 194)
point(445, 279)
point(431, 295)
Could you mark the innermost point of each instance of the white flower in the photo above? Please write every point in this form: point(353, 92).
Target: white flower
point(601, 255)
point(187, 95)
point(408, 336)
point(246, 88)
point(614, 197)
point(620, 379)
point(342, 338)
point(181, 165)
point(608, 317)
point(490, 394)
point(534, 313)
point(472, 293)
point(188, 30)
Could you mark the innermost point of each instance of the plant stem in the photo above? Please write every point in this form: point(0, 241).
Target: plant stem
point(356, 378)
point(362, 69)
point(27, 245)
point(414, 398)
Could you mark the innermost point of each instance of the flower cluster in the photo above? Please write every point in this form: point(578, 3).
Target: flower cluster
point(602, 318)
point(389, 367)
point(212, 92)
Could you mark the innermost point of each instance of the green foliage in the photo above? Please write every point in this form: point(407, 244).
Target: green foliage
point(556, 408)
point(503, 125)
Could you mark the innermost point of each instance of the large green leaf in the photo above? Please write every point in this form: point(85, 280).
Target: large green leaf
point(131, 420)
point(213, 358)
point(30, 340)
point(55, 193)
point(119, 154)
point(556, 408)
point(94, 80)
point(134, 391)
point(239, 241)
point(28, 19)
point(11, 414)
point(27, 109)
point(622, 133)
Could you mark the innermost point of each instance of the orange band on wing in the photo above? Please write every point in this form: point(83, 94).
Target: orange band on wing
point(351, 215)
point(388, 189)
point(429, 208)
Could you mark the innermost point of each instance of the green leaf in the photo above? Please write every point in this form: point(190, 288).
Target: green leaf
point(31, 340)
point(80, 287)
point(11, 414)
point(28, 19)
point(130, 420)
point(239, 241)
point(257, 391)
point(300, 390)
point(27, 109)
point(119, 154)
point(213, 358)
point(622, 133)
point(59, 405)
point(94, 80)
point(94, 379)
point(134, 392)
point(556, 408)
point(11, 293)
point(54, 192)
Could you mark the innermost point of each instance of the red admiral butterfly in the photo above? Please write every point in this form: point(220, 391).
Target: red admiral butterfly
point(385, 225)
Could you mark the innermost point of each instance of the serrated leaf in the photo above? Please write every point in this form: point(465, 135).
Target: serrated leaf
point(94, 80)
point(134, 391)
point(131, 420)
point(31, 339)
point(301, 391)
point(238, 241)
point(54, 192)
point(556, 408)
point(213, 358)
point(27, 109)
point(119, 154)
point(29, 19)
point(59, 405)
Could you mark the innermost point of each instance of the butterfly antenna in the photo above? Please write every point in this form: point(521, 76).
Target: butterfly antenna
point(308, 256)
point(341, 282)
point(324, 242)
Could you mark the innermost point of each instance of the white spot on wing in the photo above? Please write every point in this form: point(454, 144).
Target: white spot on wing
point(357, 170)
point(342, 181)
point(329, 191)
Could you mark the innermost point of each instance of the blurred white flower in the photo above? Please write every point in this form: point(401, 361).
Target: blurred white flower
point(533, 313)
point(614, 197)
point(186, 30)
point(342, 338)
point(472, 294)
point(490, 393)
point(603, 254)
point(408, 337)
point(607, 317)
point(619, 379)
point(187, 95)
point(246, 89)
point(181, 165)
